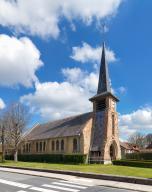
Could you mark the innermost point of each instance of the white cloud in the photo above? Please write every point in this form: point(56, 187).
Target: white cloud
point(86, 53)
point(19, 60)
point(42, 17)
point(2, 104)
point(85, 80)
point(55, 100)
point(139, 120)
point(122, 90)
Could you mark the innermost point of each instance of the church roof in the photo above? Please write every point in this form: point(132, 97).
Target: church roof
point(104, 84)
point(99, 96)
point(70, 126)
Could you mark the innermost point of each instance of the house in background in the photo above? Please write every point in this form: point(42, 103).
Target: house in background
point(128, 148)
point(149, 147)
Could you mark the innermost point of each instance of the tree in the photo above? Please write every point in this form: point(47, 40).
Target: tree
point(148, 139)
point(138, 139)
point(4, 133)
point(2, 138)
point(17, 119)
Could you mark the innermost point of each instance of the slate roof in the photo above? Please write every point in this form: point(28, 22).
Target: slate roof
point(104, 84)
point(104, 87)
point(70, 126)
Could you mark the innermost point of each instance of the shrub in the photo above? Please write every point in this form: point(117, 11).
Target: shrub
point(50, 158)
point(133, 163)
point(139, 156)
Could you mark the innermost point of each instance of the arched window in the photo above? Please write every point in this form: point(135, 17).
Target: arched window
point(57, 145)
point(29, 147)
point(37, 146)
point(40, 146)
point(75, 145)
point(44, 146)
point(26, 147)
point(62, 145)
point(53, 145)
point(113, 124)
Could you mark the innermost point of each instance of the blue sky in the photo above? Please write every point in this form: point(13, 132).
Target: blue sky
point(50, 57)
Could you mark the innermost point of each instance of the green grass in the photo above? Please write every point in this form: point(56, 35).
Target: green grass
point(93, 168)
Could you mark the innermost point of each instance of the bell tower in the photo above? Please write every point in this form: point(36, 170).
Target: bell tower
point(105, 145)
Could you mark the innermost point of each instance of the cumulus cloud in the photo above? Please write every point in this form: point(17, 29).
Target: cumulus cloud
point(85, 80)
point(42, 18)
point(55, 100)
point(139, 120)
point(19, 60)
point(2, 104)
point(87, 53)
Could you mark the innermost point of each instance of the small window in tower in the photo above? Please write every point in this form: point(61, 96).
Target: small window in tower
point(113, 124)
point(101, 105)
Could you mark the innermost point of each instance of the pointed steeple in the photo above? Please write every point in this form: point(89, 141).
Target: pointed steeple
point(103, 84)
point(104, 88)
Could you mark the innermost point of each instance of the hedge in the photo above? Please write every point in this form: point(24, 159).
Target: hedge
point(139, 156)
point(50, 158)
point(143, 164)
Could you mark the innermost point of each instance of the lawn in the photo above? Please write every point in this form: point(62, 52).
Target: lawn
point(93, 168)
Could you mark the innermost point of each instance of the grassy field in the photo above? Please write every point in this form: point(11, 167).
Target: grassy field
point(94, 168)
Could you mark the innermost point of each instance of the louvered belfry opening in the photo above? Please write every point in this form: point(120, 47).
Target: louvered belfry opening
point(101, 105)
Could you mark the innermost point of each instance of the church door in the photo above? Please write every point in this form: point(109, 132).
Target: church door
point(112, 152)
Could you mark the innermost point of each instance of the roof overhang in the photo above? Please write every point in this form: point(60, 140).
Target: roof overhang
point(100, 96)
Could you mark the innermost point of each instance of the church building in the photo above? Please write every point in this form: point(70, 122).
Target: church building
point(94, 134)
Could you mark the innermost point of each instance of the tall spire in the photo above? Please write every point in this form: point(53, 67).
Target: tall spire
point(103, 84)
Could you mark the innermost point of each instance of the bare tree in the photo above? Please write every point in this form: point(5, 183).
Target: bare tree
point(18, 117)
point(4, 133)
point(138, 139)
point(148, 139)
point(2, 138)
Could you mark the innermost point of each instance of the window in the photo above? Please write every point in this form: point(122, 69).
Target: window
point(113, 124)
point(75, 145)
point(37, 146)
point(26, 147)
point(44, 145)
point(57, 145)
point(62, 145)
point(40, 146)
point(53, 145)
point(29, 147)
